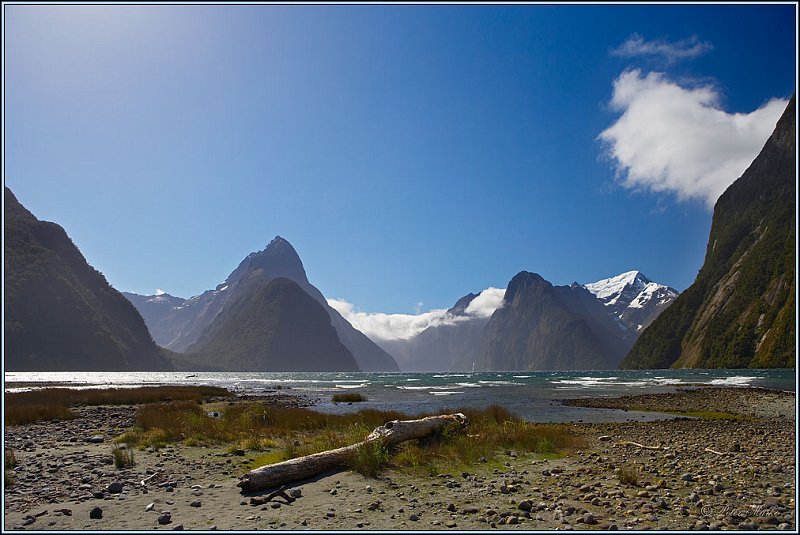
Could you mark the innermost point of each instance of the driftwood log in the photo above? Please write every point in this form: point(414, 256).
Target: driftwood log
point(388, 434)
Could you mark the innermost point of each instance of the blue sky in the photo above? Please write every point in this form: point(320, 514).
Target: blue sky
point(411, 154)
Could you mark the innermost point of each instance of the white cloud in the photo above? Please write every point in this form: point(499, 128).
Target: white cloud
point(381, 326)
point(159, 291)
point(486, 303)
point(676, 139)
point(689, 48)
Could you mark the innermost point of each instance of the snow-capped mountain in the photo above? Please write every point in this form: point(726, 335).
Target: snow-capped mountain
point(633, 298)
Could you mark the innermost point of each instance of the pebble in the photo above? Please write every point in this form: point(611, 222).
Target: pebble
point(164, 518)
point(195, 503)
point(96, 512)
point(150, 507)
point(413, 517)
point(115, 488)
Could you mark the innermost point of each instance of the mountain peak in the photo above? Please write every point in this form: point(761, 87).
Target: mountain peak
point(278, 241)
point(278, 259)
point(605, 288)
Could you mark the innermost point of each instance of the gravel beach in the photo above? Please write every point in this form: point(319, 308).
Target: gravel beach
point(683, 474)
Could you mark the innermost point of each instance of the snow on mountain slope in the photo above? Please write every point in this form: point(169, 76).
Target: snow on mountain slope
point(633, 298)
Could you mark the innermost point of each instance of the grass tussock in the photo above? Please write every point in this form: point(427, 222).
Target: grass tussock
point(628, 475)
point(9, 462)
point(123, 457)
point(369, 459)
point(54, 403)
point(349, 397)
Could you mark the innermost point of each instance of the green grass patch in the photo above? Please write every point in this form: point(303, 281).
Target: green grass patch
point(490, 431)
point(54, 403)
point(349, 397)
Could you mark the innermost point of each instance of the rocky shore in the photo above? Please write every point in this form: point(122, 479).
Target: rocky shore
point(680, 474)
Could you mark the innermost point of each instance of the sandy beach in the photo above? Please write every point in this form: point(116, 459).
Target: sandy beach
point(688, 473)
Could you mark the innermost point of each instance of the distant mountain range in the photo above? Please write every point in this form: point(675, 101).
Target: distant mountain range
point(740, 311)
point(60, 313)
point(539, 327)
point(183, 325)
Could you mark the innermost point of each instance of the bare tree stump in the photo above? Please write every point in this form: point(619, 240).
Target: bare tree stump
point(389, 434)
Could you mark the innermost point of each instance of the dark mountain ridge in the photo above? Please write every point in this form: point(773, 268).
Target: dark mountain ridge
point(274, 326)
point(546, 327)
point(60, 313)
point(740, 310)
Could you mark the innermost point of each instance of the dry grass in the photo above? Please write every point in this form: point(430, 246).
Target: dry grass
point(55, 403)
point(628, 475)
point(123, 457)
point(253, 426)
point(9, 462)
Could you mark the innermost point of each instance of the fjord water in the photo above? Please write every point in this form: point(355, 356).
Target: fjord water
point(531, 395)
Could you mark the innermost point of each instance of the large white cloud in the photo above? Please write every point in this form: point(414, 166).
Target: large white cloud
point(688, 48)
point(486, 303)
point(382, 326)
point(676, 139)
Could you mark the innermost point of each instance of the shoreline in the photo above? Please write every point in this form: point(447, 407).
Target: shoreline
point(61, 477)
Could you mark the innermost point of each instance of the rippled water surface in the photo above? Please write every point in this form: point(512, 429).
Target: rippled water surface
point(532, 395)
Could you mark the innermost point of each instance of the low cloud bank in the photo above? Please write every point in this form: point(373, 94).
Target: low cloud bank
point(381, 326)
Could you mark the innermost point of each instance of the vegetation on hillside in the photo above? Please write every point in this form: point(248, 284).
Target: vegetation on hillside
point(740, 311)
point(60, 313)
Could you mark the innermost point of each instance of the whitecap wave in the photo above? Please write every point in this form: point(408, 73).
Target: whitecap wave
point(736, 380)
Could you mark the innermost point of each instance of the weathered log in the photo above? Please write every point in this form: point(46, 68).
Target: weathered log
point(388, 434)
